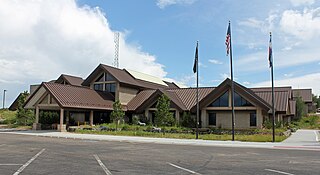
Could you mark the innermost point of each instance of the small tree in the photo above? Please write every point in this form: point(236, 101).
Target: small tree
point(163, 115)
point(117, 114)
point(24, 116)
point(301, 108)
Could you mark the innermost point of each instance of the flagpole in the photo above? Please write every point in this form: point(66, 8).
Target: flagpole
point(197, 124)
point(232, 86)
point(272, 82)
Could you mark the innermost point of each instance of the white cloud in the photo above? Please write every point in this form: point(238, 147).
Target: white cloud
point(164, 3)
point(253, 23)
point(224, 76)
point(264, 26)
point(302, 2)
point(213, 61)
point(303, 25)
point(246, 83)
point(305, 81)
point(45, 38)
point(42, 39)
point(288, 75)
point(202, 65)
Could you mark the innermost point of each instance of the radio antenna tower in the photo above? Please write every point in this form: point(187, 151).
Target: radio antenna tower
point(116, 49)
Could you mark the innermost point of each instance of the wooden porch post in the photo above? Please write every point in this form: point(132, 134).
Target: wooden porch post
point(91, 118)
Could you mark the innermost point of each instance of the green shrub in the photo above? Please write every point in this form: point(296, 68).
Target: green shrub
point(187, 120)
point(49, 117)
point(7, 117)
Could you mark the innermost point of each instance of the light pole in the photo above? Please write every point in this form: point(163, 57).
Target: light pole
point(4, 98)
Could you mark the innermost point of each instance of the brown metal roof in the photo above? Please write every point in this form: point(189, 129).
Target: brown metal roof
point(305, 94)
point(188, 96)
point(175, 99)
point(281, 98)
point(263, 89)
point(148, 97)
point(69, 96)
point(72, 80)
point(150, 85)
point(139, 99)
point(121, 75)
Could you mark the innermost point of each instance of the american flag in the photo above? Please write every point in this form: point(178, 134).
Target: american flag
point(228, 37)
point(270, 52)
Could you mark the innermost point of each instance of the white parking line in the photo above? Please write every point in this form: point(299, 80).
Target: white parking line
point(317, 137)
point(28, 163)
point(185, 169)
point(105, 169)
point(280, 172)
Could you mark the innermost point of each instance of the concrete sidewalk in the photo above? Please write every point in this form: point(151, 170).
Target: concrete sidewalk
point(301, 140)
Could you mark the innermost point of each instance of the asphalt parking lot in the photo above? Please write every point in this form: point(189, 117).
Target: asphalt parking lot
point(42, 155)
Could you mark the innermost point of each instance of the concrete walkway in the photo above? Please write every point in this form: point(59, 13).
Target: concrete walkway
point(301, 140)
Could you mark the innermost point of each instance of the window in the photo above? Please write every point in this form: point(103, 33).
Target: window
point(98, 87)
point(101, 78)
point(109, 77)
point(222, 101)
point(110, 87)
point(240, 101)
point(212, 118)
point(253, 119)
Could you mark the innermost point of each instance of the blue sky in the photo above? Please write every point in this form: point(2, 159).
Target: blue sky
point(42, 39)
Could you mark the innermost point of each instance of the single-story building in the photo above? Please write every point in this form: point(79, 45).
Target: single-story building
point(90, 100)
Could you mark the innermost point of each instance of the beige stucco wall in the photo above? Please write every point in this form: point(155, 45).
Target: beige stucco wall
point(126, 94)
point(224, 118)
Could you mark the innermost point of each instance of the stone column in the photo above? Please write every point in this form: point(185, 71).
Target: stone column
point(91, 118)
point(61, 126)
point(36, 124)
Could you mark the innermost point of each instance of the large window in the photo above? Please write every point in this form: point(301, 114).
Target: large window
point(98, 87)
point(222, 101)
point(101, 78)
point(240, 101)
point(110, 87)
point(253, 119)
point(212, 118)
point(109, 77)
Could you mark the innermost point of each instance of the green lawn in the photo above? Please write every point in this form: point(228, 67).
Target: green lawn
point(140, 133)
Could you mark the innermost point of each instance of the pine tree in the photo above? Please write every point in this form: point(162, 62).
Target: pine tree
point(163, 115)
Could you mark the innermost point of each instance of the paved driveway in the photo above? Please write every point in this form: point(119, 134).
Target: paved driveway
point(303, 137)
point(34, 155)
